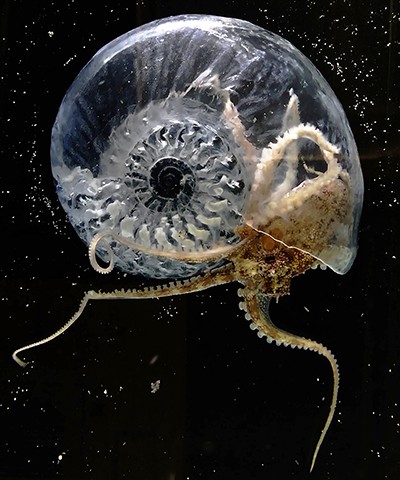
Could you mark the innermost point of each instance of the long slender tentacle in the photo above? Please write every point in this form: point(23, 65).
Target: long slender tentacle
point(214, 254)
point(77, 314)
point(219, 276)
point(257, 307)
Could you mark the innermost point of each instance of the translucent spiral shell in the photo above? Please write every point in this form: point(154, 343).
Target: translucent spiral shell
point(161, 136)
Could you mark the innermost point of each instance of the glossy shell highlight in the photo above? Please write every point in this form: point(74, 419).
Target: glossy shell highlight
point(142, 144)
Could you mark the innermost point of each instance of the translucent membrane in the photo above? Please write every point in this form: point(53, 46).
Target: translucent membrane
point(161, 137)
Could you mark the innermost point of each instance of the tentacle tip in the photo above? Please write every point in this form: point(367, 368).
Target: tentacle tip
point(92, 252)
point(20, 362)
point(314, 459)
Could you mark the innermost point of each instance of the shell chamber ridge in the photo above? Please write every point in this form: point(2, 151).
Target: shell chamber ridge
point(142, 144)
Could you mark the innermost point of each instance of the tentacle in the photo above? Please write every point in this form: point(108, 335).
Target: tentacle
point(214, 254)
point(218, 276)
point(85, 299)
point(292, 114)
point(92, 253)
point(266, 203)
point(257, 311)
point(206, 79)
point(250, 152)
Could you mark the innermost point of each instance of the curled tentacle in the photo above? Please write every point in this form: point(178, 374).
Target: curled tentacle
point(211, 255)
point(267, 202)
point(92, 253)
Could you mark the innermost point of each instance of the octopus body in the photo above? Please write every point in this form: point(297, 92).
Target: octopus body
point(208, 175)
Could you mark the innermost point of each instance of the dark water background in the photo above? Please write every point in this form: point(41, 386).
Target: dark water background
point(229, 406)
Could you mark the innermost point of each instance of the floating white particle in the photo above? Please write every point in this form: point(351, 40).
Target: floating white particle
point(155, 386)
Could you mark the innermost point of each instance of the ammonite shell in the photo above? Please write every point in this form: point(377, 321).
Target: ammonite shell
point(143, 145)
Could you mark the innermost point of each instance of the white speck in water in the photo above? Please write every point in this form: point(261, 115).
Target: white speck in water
point(60, 457)
point(155, 386)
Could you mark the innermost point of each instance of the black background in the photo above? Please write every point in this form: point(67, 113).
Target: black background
point(229, 406)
